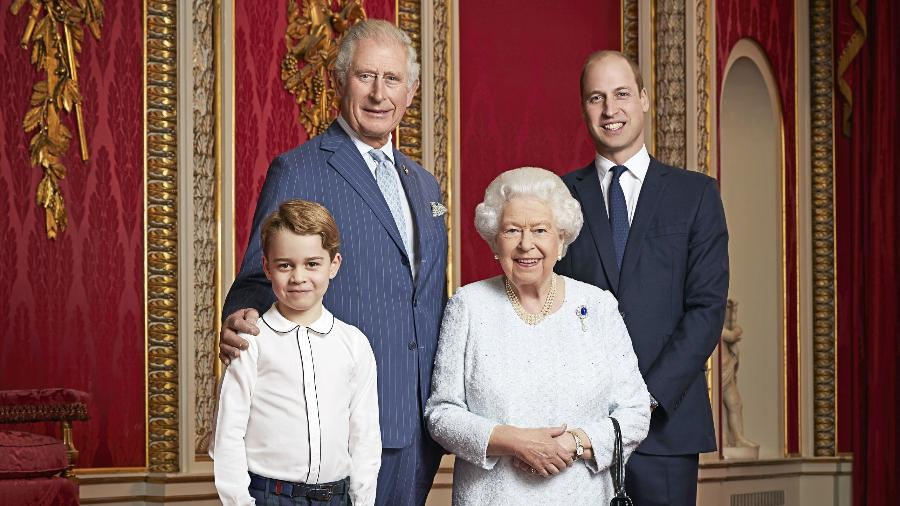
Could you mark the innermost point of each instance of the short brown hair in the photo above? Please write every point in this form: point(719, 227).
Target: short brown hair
point(302, 217)
point(605, 53)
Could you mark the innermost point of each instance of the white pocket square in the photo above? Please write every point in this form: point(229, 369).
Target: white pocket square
point(438, 209)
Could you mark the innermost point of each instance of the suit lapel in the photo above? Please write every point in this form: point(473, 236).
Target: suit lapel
point(347, 161)
point(590, 193)
point(648, 203)
point(419, 209)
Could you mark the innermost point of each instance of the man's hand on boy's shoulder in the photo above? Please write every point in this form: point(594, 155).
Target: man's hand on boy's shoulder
point(230, 343)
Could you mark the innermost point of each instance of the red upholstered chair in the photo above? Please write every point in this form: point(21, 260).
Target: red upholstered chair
point(37, 469)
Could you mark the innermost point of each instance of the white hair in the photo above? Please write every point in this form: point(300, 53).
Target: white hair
point(382, 31)
point(530, 182)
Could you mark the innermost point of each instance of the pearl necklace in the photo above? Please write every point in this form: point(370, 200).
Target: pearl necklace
point(531, 319)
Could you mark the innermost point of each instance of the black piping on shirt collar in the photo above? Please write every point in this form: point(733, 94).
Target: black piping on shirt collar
point(296, 326)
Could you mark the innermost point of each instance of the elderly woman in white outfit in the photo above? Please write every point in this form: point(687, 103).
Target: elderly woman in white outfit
point(531, 365)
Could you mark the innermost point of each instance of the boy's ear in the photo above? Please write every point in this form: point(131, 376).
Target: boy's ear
point(265, 264)
point(335, 266)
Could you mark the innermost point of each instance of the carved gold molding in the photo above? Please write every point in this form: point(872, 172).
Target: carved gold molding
point(630, 27)
point(312, 37)
point(704, 89)
point(670, 82)
point(55, 39)
point(160, 129)
point(206, 192)
point(409, 19)
point(442, 39)
point(823, 213)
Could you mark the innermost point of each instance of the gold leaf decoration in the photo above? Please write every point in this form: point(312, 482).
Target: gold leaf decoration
point(312, 38)
point(54, 31)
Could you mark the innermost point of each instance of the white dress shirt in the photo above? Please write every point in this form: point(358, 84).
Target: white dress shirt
point(631, 180)
point(409, 235)
point(299, 405)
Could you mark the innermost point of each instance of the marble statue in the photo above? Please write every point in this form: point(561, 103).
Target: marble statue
point(737, 446)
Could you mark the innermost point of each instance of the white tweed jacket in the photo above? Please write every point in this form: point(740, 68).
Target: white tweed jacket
point(491, 368)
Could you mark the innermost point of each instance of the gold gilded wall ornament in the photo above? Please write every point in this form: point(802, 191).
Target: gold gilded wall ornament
point(55, 35)
point(312, 37)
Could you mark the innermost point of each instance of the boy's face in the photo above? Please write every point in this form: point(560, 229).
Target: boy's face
point(299, 269)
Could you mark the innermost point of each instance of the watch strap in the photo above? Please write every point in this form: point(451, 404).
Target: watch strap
point(579, 445)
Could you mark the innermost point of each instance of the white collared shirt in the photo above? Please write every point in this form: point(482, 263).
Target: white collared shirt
point(299, 405)
point(409, 235)
point(631, 180)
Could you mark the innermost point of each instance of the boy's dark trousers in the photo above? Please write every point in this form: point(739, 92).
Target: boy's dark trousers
point(270, 492)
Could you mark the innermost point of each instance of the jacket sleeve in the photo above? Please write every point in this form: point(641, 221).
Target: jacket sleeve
point(705, 293)
point(448, 417)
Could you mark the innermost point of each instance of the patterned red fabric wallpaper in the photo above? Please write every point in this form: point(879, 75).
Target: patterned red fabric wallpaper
point(76, 303)
point(519, 97)
point(265, 113)
point(849, 246)
point(867, 198)
point(771, 24)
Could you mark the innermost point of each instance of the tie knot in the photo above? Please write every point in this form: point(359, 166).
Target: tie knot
point(618, 170)
point(378, 155)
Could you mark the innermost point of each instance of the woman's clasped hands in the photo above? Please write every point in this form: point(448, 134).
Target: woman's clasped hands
point(543, 451)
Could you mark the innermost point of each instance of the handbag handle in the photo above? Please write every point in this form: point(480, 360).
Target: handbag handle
point(617, 467)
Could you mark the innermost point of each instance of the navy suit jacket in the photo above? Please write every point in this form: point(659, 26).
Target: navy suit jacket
point(374, 289)
point(672, 290)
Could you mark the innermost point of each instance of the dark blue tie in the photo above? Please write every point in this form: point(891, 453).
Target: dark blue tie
point(618, 213)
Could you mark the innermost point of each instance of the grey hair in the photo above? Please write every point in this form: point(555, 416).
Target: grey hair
point(535, 183)
point(382, 31)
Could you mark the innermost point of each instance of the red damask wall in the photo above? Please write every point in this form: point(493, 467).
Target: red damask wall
point(76, 304)
point(848, 243)
point(519, 64)
point(265, 113)
point(867, 187)
point(771, 24)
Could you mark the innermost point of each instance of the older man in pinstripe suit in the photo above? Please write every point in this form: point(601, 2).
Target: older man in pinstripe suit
point(393, 240)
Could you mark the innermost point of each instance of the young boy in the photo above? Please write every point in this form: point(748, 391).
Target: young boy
point(298, 412)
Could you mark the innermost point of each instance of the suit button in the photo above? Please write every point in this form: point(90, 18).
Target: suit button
point(415, 302)
point(412, 345)
point(404, 261)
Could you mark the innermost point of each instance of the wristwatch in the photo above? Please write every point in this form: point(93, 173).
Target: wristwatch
point(579, 446)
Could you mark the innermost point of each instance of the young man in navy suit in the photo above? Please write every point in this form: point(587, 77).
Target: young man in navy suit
point(655, 236)
point(392, 283)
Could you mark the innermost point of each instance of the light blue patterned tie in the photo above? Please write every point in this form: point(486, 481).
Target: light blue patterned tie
point(390, 188)
point(618, 213)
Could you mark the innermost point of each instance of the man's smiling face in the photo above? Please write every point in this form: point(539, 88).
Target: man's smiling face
point(377, 90)
point(613, 108)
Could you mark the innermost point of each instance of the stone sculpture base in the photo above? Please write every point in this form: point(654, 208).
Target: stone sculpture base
point(741, 453)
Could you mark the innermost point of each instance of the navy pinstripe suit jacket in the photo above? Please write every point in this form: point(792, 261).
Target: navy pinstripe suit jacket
point(374, 290)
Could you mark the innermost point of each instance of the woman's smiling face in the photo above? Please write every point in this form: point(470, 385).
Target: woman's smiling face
point(528, 242)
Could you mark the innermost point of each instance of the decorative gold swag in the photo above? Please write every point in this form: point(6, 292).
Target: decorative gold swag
point(312, 39)
point(848, 54)
point(55, 39)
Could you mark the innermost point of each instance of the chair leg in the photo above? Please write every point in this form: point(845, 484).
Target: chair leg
point(71, 451)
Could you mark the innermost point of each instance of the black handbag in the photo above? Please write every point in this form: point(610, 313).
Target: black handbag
point(617, 470)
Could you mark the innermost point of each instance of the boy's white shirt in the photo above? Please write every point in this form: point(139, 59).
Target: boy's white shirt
point(299, 405)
